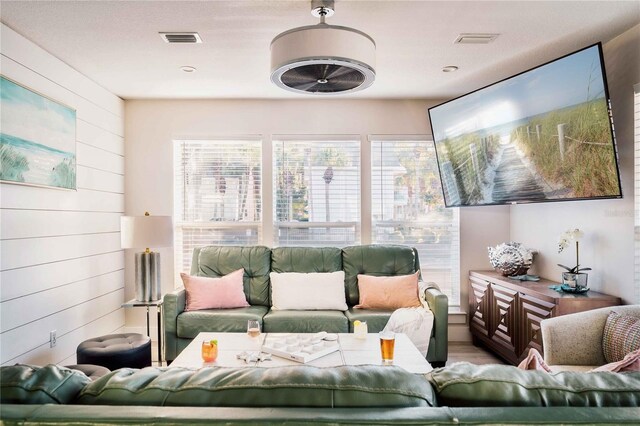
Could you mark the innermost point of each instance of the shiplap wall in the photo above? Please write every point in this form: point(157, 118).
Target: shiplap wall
point(61, 264)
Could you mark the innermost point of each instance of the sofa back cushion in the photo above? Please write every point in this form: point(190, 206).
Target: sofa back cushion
point(378, 260)
point(218, 261)
point(306, 259)
point(292, 386)
point(52, 384)
point(469, 385)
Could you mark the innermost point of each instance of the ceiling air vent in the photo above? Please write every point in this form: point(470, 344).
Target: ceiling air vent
point(475, 38)
point(181, 37)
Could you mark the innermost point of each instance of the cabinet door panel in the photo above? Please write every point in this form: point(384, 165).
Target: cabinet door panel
point(532, 312)
point(504, 329)
point(479, 297)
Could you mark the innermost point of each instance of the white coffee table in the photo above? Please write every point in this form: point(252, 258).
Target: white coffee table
point(352, 351)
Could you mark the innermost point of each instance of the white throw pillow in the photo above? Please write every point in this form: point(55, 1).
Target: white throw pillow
point(313, 291)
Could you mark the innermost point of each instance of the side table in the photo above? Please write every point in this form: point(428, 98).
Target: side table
point(133, 303)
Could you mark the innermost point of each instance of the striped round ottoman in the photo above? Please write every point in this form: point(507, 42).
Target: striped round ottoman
point(115, 351)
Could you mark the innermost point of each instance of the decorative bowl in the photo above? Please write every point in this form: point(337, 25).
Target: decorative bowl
point(511, 258)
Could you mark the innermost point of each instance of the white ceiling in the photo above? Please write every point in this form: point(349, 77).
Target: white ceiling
point(116, 43)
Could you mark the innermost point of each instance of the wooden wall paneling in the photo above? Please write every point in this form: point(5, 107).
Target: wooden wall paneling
point(13, 197)
point(93, 135)
point(61, 265)
point(57, 299)
point(24, 281)
point(42, 354)
point(34, 251)
point(46, 223)
point(99, 180)
point(100, 159)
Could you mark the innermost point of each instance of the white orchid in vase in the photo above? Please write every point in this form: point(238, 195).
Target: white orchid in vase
point(574, 276)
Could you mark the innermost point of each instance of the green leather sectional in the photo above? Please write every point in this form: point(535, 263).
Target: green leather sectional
point(363, 395)
point(215, 261)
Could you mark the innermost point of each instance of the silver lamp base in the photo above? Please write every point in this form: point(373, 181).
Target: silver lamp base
point(148, 286)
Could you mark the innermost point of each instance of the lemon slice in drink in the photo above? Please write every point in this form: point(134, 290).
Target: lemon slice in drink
point(357, 323)
point(214, 342)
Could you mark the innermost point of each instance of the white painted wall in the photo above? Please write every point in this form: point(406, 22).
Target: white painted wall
point(151, 125)
point(61, 263)
point(608, 246)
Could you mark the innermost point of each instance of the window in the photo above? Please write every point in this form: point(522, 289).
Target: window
point(316, 192)
point(217, 195)
point(407, 208)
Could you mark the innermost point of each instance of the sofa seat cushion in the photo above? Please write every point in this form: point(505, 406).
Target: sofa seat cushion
point(220, 320)
point(299, 386)
point(305, 322)
point(28, 384)
point(376, 319)
point(468, 385)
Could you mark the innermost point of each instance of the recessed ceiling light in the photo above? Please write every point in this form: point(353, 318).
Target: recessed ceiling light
point(188, 69)
point(449, 68)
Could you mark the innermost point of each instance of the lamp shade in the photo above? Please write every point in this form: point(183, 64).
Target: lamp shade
point(146, 231)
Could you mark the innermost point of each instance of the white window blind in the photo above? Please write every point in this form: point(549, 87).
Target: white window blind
point(217, 195)
point(407, 208)
point(316, 192)
point(636, 109)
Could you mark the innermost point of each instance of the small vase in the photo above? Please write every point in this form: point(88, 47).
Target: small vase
point(576, 281)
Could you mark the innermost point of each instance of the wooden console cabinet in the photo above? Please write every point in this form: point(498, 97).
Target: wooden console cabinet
point(505, 314)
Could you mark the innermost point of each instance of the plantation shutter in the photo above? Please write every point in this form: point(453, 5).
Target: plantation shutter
point(636, 108)
point(407, 207)
point(316, 192)
point(217, 195)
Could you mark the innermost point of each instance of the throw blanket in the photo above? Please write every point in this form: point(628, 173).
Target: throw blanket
point(416, 323)
point(535, 361)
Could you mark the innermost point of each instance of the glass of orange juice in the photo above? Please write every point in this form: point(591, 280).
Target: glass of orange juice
point(209, 350)
point(387, 344)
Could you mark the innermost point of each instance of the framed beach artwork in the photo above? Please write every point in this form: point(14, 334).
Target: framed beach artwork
point(37, 138)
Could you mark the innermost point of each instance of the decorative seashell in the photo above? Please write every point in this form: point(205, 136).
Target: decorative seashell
point(511, 258)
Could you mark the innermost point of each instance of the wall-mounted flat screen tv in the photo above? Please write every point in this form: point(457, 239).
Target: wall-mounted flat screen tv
point(542, 135)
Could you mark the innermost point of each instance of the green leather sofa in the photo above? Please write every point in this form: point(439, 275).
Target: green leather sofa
point(258, 261)
point(364, 395)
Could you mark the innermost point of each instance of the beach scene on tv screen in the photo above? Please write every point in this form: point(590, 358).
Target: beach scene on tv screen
point(542, 135)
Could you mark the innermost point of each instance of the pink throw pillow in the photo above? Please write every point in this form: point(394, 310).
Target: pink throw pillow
point(389, 293)
point(215, 293)
point(631, 362)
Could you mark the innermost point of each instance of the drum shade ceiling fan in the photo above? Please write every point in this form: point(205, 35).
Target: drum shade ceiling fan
point(323, 59)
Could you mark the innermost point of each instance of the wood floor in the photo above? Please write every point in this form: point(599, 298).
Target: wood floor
point(459, 352)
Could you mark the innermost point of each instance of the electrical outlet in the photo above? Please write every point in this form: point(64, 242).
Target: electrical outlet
point(52, 338)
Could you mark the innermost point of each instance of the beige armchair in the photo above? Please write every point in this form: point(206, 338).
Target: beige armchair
point(574, 342)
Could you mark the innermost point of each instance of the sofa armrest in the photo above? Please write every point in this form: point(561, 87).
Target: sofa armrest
point(574, 339)
point(439, 304)
point(173, 306)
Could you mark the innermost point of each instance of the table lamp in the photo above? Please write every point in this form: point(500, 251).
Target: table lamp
point(145, 232)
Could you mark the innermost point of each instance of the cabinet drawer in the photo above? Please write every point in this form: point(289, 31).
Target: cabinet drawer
point(479, 299)
point(532, 312)
point(504, 318)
